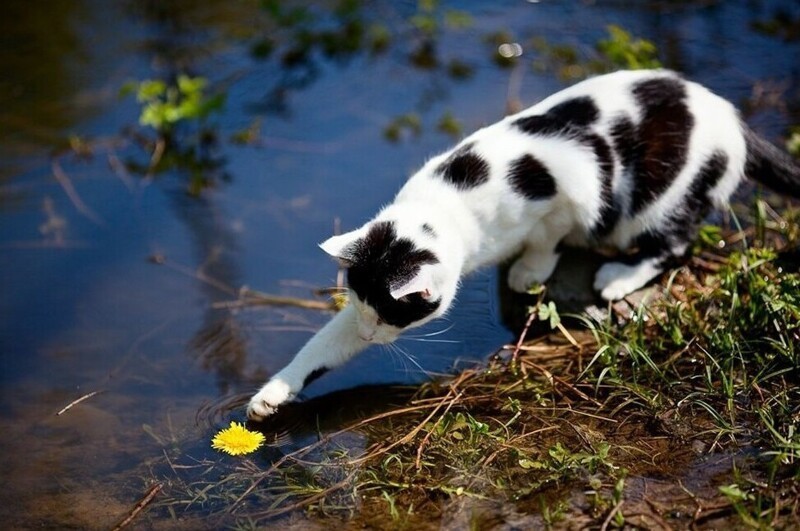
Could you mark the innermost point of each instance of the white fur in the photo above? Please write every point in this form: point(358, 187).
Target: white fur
point(490, 223)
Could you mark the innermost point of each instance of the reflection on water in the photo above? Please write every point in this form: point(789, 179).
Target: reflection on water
point(84, 306)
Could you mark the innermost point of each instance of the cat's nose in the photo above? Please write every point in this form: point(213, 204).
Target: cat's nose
point(365, 332)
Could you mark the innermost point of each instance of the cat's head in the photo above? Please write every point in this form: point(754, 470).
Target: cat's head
point(396, 281)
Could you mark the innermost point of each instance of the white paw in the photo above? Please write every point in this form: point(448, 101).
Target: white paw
point(522, 276)
point(266, 401)
point(615, 280)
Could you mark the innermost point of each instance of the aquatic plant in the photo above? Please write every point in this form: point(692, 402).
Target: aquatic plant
point(619, 50)
point(165, 105)
point(178, 112)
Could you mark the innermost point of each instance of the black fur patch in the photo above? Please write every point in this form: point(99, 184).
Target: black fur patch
point(530, 178)
point(464, 169)
point(315, 374)
point(381, 261)
point(427, 229)
point(609, 211)
point(681, 228)
point(697, 200)
point(624, 139)
point(662, 138)
point(647, 245)
point(683, 225)
point(572, 119)
point(566, 118)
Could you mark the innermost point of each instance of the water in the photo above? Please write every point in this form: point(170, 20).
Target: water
point(86, 307)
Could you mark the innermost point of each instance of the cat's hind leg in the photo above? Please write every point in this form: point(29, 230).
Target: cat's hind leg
point(615, 280)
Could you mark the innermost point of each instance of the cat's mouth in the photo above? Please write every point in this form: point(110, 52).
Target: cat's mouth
point(380, 340)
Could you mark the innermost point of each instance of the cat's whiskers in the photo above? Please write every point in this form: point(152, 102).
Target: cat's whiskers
point(395, 348)
point(430, 334)
point(422, 339)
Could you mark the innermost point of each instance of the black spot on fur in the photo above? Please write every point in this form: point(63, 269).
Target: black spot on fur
point(381, 261)
point(662, 138)
point(682, 226)
point(624, 139)
point(697, 200)
point(573, 119)
point(566, 118)
point(464, 169)
point(650, 244)
point(530, 178)
point(427, 229)
point(672, 241)
point(653, 246)
point(609, 211)
point(315, 374)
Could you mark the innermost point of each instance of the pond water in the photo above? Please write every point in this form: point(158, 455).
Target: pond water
point(115, 280)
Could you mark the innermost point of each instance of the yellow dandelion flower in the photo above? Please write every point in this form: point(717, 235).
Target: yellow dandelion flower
point(237, 440)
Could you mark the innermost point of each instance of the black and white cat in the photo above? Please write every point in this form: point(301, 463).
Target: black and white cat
point(634, 160)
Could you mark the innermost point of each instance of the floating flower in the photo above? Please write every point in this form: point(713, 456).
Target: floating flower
point(237, 440)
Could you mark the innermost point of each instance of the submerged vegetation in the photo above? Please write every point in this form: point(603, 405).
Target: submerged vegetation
point(679, 411)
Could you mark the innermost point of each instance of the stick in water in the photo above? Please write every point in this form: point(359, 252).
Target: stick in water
point(155, 489)
point(78, 401)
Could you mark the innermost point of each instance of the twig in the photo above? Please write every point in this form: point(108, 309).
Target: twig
point(247, 297)
point(611, 514)
point(196, 274)
point(265, 299)
point(521, 339)
point(66, 184)
point(155, 158)
point(77, 401)
point(553, 380)
point(307, 501)
point(120, 171)
point(155, 489)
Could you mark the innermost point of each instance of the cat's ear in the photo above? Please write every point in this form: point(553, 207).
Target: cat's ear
point(421, 283)
point(337, 245)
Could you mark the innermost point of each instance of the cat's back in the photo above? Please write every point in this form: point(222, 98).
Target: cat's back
point(631, 93)
point(605, 140)
point(609, 93)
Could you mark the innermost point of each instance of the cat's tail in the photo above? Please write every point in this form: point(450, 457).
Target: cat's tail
point(771, 166)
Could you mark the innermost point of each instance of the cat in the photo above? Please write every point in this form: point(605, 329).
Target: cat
point(632, 159)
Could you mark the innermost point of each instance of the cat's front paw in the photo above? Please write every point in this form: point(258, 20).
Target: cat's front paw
point(522, 275)
point(266, 401)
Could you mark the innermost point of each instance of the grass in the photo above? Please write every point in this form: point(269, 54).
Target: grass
point(680, 412)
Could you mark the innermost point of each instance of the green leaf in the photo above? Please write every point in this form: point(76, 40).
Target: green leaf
point(549, 313)
point(191, 85)
point(150, 89)
point(734, 493)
